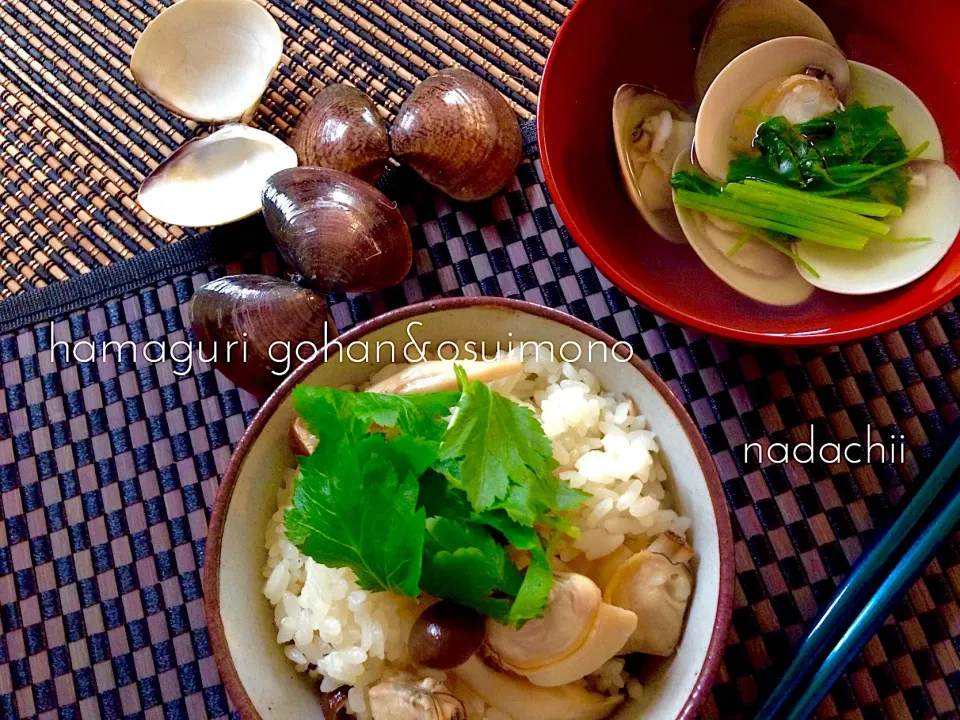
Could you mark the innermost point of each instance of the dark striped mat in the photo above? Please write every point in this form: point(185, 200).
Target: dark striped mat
point(108, 470)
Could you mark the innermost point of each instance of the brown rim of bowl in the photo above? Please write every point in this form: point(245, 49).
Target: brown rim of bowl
point(211, 574)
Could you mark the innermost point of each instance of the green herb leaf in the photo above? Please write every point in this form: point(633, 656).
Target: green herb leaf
point(440, 499)
point(408, 502)
point(538, 579)
point(464, 577)
point(356, 506)
point(535, 591)
point(463, 562)
point(496, 451)
point(695, 181)
point(856, 135)
point(790, 155)
point(844, 153)
point(332, 414)
point(753, 167)
point(520, 536)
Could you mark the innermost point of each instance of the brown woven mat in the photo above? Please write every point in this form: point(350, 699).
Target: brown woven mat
point(78, 136)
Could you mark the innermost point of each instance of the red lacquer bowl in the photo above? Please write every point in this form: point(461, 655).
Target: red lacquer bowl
point(605, 43)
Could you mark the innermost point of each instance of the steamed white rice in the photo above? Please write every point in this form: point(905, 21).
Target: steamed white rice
point(334, 630)
point(328, 625)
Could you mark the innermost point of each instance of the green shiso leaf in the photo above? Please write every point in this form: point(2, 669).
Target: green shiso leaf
point(413, 502)
point(357, 508)
point(496, 452)
point(333, 414)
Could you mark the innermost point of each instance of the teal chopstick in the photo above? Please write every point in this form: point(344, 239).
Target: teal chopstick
point(860, 584)
point(879, 607)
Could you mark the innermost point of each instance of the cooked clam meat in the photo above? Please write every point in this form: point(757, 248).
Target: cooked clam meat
point(650, 132)
point(799, 78)
point(577, 634)
point(801, 98)
point(798, 98)
point(404, 697)
point(521, 700)
point(439, 375)
point(657, 142)
point(655, 585)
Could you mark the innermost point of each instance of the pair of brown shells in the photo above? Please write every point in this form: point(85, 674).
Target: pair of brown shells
point(340, 234)
point(454, 129)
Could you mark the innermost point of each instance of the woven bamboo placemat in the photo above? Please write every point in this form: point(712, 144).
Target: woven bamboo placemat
point(78, 136)
point(108, 469)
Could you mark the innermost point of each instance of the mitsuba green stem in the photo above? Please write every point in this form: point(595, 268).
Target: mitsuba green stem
point(739, 212)
point(843, 218)
point(846, 187)
point(861, 207)
point(781, 248)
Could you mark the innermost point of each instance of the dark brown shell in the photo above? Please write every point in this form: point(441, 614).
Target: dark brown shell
point(256, 311)
point(339, 232)
point(342, 130)
point(459, 133)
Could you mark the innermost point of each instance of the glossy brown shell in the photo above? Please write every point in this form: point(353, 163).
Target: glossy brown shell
point(256, 311)
point(342, 130)
point(339, 232)
point(459, 133)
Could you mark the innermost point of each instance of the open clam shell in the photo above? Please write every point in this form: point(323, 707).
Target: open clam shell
point(738, 25)
point(215, 179)
point(647, 183)
point(757, 271)
point(737, 87)
point(933, 212)
point(209, 60)
point(872, 86)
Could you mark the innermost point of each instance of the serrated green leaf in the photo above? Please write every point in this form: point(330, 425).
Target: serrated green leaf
point(332, 414)
point(409, 503)
point(836, 148)
point(440, 499)
point(358, 509)
point(535, 591)
point(496, 451)
point(463, 562)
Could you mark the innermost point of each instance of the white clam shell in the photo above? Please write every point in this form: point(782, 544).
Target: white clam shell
point(631, 105)
point(209, 60)
point(744, 77)
point(933, 211)
point(738, 25)
point(779, 283)
point(215, 179)
point(872, 86)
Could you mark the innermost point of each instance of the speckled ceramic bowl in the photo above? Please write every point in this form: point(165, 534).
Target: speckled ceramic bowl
point(260, 680)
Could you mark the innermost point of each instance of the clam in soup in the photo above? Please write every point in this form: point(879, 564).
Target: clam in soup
point(808, 171)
